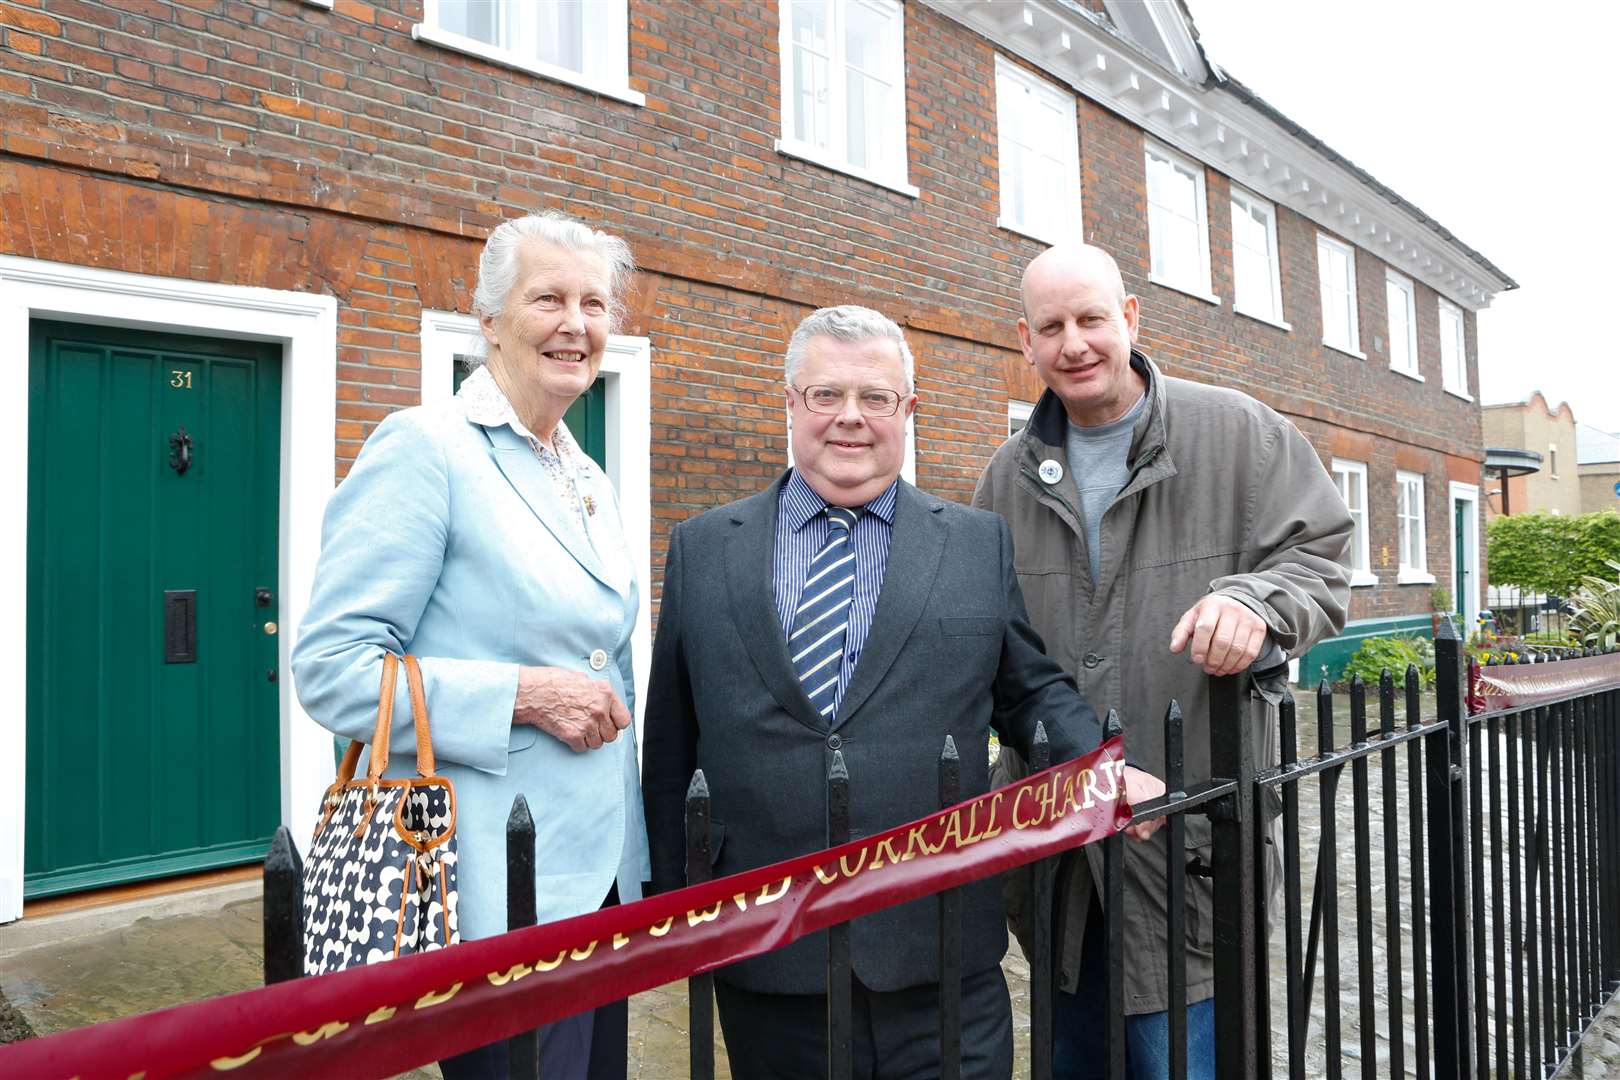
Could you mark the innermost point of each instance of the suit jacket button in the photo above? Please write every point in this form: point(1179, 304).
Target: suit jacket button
point(834, 742)
point(598, 660)
point(1091, 660)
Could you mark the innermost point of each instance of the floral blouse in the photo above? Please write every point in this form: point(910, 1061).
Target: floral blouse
point(563, 461)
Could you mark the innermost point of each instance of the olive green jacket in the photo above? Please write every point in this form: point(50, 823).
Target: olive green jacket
point(1226, 496)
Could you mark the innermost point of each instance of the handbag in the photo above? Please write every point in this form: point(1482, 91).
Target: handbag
point(380, 879)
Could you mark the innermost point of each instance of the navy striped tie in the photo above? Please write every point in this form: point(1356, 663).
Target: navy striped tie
point(821, 621)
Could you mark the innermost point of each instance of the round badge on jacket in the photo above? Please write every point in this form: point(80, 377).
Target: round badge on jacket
point(1051, 471)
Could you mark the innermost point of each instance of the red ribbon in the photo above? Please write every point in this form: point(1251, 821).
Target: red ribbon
point(386, 1018)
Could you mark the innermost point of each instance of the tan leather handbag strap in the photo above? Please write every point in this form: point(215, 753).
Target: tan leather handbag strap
point(385, 721)
point(419, 715)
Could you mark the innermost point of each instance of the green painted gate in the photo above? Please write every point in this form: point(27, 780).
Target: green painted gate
point(153, 495)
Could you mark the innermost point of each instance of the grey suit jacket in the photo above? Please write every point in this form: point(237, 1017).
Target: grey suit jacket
point(950, 652)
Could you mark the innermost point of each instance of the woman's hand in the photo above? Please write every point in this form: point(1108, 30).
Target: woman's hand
point(580, 712)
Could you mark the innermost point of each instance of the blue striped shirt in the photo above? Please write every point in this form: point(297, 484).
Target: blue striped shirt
point(801, 529)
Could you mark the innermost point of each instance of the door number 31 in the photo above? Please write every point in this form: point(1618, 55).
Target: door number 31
point(180, 380)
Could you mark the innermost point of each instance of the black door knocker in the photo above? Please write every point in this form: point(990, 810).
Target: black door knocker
point(180, 452)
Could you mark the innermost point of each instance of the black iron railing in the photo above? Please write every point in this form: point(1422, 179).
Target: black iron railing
point(1492, 897)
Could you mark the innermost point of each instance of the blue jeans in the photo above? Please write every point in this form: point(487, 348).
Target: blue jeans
point(1079, 1021)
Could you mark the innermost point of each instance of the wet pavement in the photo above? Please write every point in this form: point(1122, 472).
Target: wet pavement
point(65, 971)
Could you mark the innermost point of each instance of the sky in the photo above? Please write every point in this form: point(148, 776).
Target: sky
point(1497, 120)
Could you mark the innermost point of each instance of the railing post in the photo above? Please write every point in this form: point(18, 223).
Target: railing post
point(522, 1049)
point(1042, 983)
point(1113, 906)
point(699, 868)
point(840, 985)
point(1448, 864)
point(1231, 757)
point(283, 910)
point(950, 933)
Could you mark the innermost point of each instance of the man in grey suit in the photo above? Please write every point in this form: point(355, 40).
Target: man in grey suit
point(841, 608)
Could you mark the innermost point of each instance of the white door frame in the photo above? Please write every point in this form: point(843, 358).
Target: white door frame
point(305, 324)
point(1469, 604)
point(627, 376)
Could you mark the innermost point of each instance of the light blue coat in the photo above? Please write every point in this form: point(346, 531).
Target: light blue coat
point(448, 541)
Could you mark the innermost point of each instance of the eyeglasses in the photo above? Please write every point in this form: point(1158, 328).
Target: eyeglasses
point(873, 400)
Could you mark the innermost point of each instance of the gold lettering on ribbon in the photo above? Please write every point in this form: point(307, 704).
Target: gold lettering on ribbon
point(1069, 801)
point(552, 964)
point(586, 954)
point(843, 864)
point(226, 1064)
point(432, 998)
point(766, 896)
point(741, 900)
point(1114, 770)
point(990, 827)
point(511, 974)
point(953, 832)
point(385, 1013)
point(887, 849)
point(1089, 787)
point(325, 1031)
point(825, 878)
point(619, 942)
point(1018, 802)
point(914, 840)
point(660, 929)
point(708, 914)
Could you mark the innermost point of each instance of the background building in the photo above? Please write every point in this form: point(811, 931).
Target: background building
point(1598, 465)
point(235, 236)
point(1536, 426)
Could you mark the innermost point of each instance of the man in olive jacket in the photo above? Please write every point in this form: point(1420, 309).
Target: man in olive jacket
point(1153, 516)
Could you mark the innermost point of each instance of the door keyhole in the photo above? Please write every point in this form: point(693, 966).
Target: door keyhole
point(180, 452)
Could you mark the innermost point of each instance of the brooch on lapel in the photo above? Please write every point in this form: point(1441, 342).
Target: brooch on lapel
point(590, 504)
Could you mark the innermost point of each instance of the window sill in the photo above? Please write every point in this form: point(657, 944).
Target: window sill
point(806, 152)
point(1414, 577)
point(1267, 319)
point(1414, 376)
point(1197, 294)
point(1347, 351)
point(327, 4)
point(1030, 234)
point(507, 58)
point(1460, 394)
point(1361, 579)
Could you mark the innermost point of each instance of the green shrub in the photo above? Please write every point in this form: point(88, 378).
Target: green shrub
point(1558, 638)
point(1394, 653)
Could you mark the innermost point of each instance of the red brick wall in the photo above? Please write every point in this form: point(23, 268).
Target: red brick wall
point(278, 144)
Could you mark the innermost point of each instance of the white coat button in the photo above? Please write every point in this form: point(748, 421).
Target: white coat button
point(598, 660)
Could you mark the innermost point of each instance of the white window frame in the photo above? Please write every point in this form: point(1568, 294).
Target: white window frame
point(895, 174)
point(1018, 414)
point(1199, 288)
point(1402, 284)
point(1247, 202)
point(1453, 366)
point(1324, 245)
point(1552, 461)
point(1361, 544)
point(1018, 89)
point(627, 374)
point(606, 41)
point(1411, 512)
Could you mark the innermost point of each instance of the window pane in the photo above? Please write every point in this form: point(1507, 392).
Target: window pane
point(476, 19)
point(1400, 346)
point(864, 30)
point(864, 118)
point(560, 32)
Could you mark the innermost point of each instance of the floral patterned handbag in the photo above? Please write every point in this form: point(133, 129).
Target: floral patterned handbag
point(380, 879)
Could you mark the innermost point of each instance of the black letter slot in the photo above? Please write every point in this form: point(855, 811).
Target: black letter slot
point(180, 626)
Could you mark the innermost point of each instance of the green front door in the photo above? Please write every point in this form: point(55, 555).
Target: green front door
point(153, 493)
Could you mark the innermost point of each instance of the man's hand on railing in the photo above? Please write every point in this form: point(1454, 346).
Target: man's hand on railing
point(1140, 787)
point(1225, 635)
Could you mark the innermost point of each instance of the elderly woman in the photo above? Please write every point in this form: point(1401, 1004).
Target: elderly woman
point(477, 536)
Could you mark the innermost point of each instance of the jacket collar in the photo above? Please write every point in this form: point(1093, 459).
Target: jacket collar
point(1048, 429)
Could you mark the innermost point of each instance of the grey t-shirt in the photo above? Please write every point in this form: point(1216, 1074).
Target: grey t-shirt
point(1099, 465)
